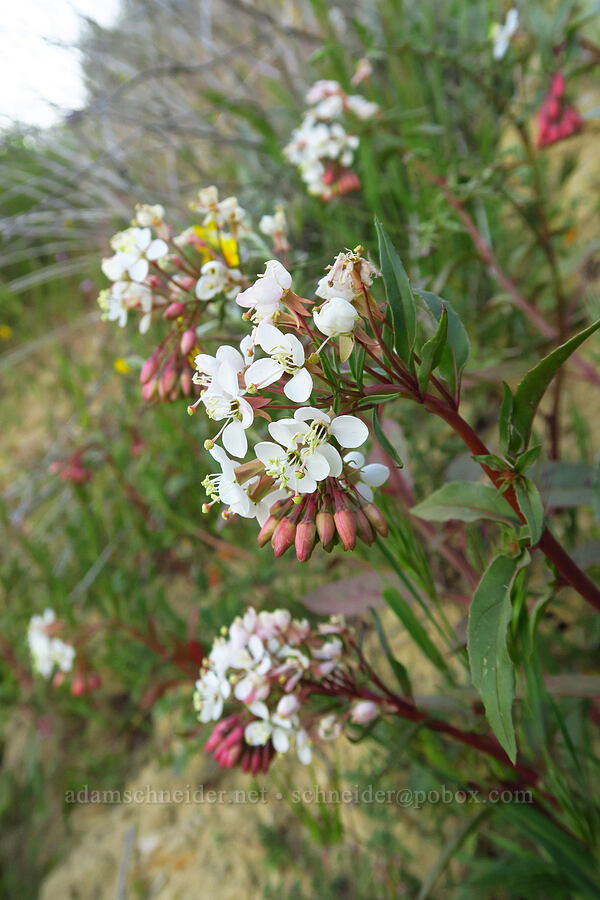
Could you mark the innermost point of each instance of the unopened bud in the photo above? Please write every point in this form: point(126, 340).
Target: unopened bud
point(363, 528)
point(345, 524)
point(173, 311)
point(364, 711)
point(167, 381)
point(149, 389)
point(188, 339)
point(325, 527)
point(376, 518)
point(306, 533)
point(266, 532)
point(93, 681)
point(78, 685)
point(149, 369)
point(186, 383)
point(283, 537)
point(58, 679)
point(248, 470)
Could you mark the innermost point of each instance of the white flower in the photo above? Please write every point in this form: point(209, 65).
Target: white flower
point(286, 358)
point(330, 727)
point(226, 213)
point(322, 89)
point(211, 691)
point(275, 224)
point(363, 711)
point(266, 292)
point(223, 400)
point(207, 366)
point(339, 282)
point(123, 296)
point(147, 215)
point(224, 486)
point(336, 316)
point(502, 34)
point(277, 729)
point(371, 475)
point(213, 277)
point(134, 248)
point(48, 652)
point(361, 107)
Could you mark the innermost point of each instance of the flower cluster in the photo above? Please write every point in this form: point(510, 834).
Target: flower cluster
point(321, 147)
point(269, 665)
point(557, 119)
point(180, 277)
point(48, 652)
point(300, 485)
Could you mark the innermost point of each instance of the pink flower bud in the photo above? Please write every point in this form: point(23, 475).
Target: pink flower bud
point(167, 381)
point(149, 369)
point(78, 685)
point(153, 281)
point(305, 540)
point(266, 532)
point(173, 311)
point(185, 380)
point(283, 537)
point(256, 757)
point(363, 528)
point(376, 518)
point(58, 679)
point(149, 390)
point(325, 527)
point(188, 339)
point(345, 524)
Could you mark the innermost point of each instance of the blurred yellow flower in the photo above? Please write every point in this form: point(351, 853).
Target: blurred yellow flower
point(121, 366)
point(5, 332)
point(224, 244)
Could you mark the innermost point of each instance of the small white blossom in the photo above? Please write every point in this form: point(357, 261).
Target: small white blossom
point(371, 475)
point(501, 34)
point(336, 316)
point(134, 248)
point(286, 357)
point(48, 652)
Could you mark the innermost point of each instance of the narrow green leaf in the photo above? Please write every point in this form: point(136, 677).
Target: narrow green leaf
point(527, 459)
point(431, 352)
point(492, 669)
point(505, 416)
point(399, 296)
point(357, 363)
point(406, 615)
point(397, 668)
point(532, 389)
point(492, 462)
point(383, 439)
point(456, 351)
point(530, 504)
point(465, 501)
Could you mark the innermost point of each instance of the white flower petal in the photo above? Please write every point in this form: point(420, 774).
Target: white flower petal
point(263, 372)
point(299, 387)
point(333, 458)
point(349, 431)
point(157, 249)
point(375, 474)
point(235, 440)
point(139, 270)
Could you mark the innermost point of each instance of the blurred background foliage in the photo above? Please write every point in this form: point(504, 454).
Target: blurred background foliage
point(185, 93)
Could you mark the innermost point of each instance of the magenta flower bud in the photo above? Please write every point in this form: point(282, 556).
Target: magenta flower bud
point(306, 533)
point(58, 679)
point(93, 681)
point(149, 389)
point(234, 737)
point(153, 281)
point(149, 369)
point(188, 340)
point(325, 527)
point(167, 381)
point(78, 685)
point(256, 760)
point(283, 537)
point(266, 532)
point(173, 311)
point(376, 518)
point(363, 528)
point(246, 761)
point(185, 380)
point(345, 524)
point(364, 711)
point(220, 729)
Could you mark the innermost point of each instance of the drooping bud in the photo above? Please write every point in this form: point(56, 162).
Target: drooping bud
point(283, 537)
point(248, 470)
point(363, 528)
point(58, 679)
point(149, 389)
point(78, 685)
point(345, 524)
point(376, 518)
point(185, 380)
point(149, 369)
point(93, 681)
point(188, 339)
point(325, 527)
point(266, 532)
point(305, 540)
point(166, 382)
point(174, 310)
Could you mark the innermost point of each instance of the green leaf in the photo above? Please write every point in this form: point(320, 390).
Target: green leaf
point(532, 389)
point(505, 416)
point(530, 504)
point(527, 459)
point(399, 296)
point(383, 439)
point(565, 484)
point(492, 669)
point(456, 351)
point(406, 615)
point(492, 462)
point(431, 352)
point(357, 364)
point(397, 668)
point(465, 501)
